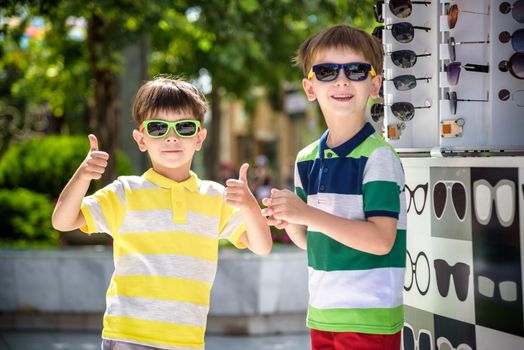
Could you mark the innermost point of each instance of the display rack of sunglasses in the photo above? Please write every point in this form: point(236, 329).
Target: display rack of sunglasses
point(476, 91)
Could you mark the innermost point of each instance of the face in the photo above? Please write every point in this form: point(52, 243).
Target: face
point(341, 98)
point(171, 155)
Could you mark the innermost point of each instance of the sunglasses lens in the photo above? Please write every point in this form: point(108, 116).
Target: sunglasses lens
point(186, 128)
point(452, 97)
point(377, 9)
point(404, 111)
point(453, 73)
point(461, 279)
point(458, 194)
point(453, 16)
point(517, 40)
point(451, 47)
point(377, 32)
point(405, 82)
point(404, 58)
point(356, 72)
point(443, 271)
point(157, 129)
point(409, 339)
point(516, 63)
point(518, 11)
point(400, 8)
point(439, 199)
point(377, 111)
point(424, 341)
point(403, 32)
point(326, 72)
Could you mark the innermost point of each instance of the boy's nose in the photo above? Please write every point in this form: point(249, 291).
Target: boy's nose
point(171, 136)
point(342, 80)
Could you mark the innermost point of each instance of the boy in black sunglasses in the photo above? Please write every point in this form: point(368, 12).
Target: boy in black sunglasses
point(348, 209)
point(165, 224)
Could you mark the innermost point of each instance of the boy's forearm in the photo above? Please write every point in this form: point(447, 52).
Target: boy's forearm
point(257, 230)
point(67, 215)
point(297, 234)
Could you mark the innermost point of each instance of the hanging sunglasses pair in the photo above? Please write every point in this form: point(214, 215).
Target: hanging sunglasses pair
point(452, 97)
point(404, 111)
point(403, 8)
point(354, 71)
point(515, 65)
point(403, 32)
point(452, 43)
point(453, 70)
point(405, 58)
point(517, 10)
point(453, 12)
point(517, 39)
point(406, 82)
point(160, 128)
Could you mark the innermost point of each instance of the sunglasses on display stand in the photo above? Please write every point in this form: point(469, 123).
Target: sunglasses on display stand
point(452, 43)
point(403, 32)
point(517, 39)
point(405, 111)
point(517, 10)
point(453, 70)
point(452, 97)
point(515, 65)
point(406, 82)
point(400, 8)
point(405, 58)
point(453, 13)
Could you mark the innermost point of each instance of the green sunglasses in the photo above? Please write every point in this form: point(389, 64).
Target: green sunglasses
point(160, 128)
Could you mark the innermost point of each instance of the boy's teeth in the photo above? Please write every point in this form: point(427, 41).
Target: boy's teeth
point(342, 96)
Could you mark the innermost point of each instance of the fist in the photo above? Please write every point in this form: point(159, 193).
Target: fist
point(95, 163)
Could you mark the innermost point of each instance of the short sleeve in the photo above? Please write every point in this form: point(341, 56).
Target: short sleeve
point(231, 225)
point(382, 184)
point(104, 210)
point(299, 187)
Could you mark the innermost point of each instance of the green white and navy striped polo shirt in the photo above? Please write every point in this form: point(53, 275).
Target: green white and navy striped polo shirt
point(165, 247)
point(349, 290)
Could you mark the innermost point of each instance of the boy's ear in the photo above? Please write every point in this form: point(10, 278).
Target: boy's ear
point(201, 136)
point(376, 82)
point(308, 88)
point(139, 138)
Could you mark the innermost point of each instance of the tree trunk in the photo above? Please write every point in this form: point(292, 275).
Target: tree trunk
point(104, 110)
point(212, 155)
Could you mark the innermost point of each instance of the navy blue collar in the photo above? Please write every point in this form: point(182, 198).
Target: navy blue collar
point(347, 147)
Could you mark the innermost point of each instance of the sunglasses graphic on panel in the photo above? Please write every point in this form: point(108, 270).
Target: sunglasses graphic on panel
point(457, 192)
point(403, 32)
point(507, 290)
point(423, 341)
point(517, 39)
point(515, 65)
point(445, 344)
point(405, 58)
point(452, 43)
point(460, 273)
point(453, 12)
point(503, 194)
point(452, 97)
point(517, 10)
point(354, 71)
point(160, 128)
point(453, 70)
point(417, 196)
point(417, 271)
point(406, 82)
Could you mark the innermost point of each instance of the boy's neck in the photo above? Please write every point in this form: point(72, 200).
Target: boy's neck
point(179, 174)
point(343, 129)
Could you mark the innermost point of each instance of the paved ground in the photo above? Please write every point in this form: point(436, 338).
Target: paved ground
point(43, 340)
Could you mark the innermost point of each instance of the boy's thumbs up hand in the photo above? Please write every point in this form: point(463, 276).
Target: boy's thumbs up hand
point(95, 163)
point(237, 191)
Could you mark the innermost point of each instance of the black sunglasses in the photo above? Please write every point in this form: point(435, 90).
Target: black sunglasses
point(403, 8)
point(403, 32)
point(404, 111)
point(405, 58)
point(452, 97)
point(517, 39)
point(515, 65)
point(453, 70)
point(452, 43)
point(517, 10)
point(406, 82)
point(354, 71)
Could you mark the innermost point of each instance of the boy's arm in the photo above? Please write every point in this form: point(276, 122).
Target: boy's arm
point(67, 215)
point(375, 236)
point(257, 236)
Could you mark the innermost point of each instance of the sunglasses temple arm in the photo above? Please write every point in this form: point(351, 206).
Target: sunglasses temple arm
point(423, 55)
point(425, 78)
point(427, 29)
point(422, 2)
point(472, 42)
point(478, 13)
point(466, 100)
point(476, 68)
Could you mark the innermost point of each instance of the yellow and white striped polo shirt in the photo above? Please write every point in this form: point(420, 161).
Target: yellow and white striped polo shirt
point(165, 246)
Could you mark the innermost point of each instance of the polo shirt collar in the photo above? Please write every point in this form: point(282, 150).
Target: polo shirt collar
point(191, 184)
point(347, 147)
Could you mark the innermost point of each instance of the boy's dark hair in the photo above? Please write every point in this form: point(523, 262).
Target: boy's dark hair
point(167, 94)
point(341, 36)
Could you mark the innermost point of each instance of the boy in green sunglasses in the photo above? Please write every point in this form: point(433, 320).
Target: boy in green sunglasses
point(348, 209)
point(165, 224)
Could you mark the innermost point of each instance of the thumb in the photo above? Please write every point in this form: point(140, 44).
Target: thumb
point(242, 174)
point(93, 142)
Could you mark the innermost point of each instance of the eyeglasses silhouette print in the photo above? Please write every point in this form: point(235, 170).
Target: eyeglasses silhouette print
point(418, 271)
point(507, 290)
point(503, 194)
point(423, 340)
point(458, 198)
point(460, 273)
point(417, 197)
point(445, 344)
